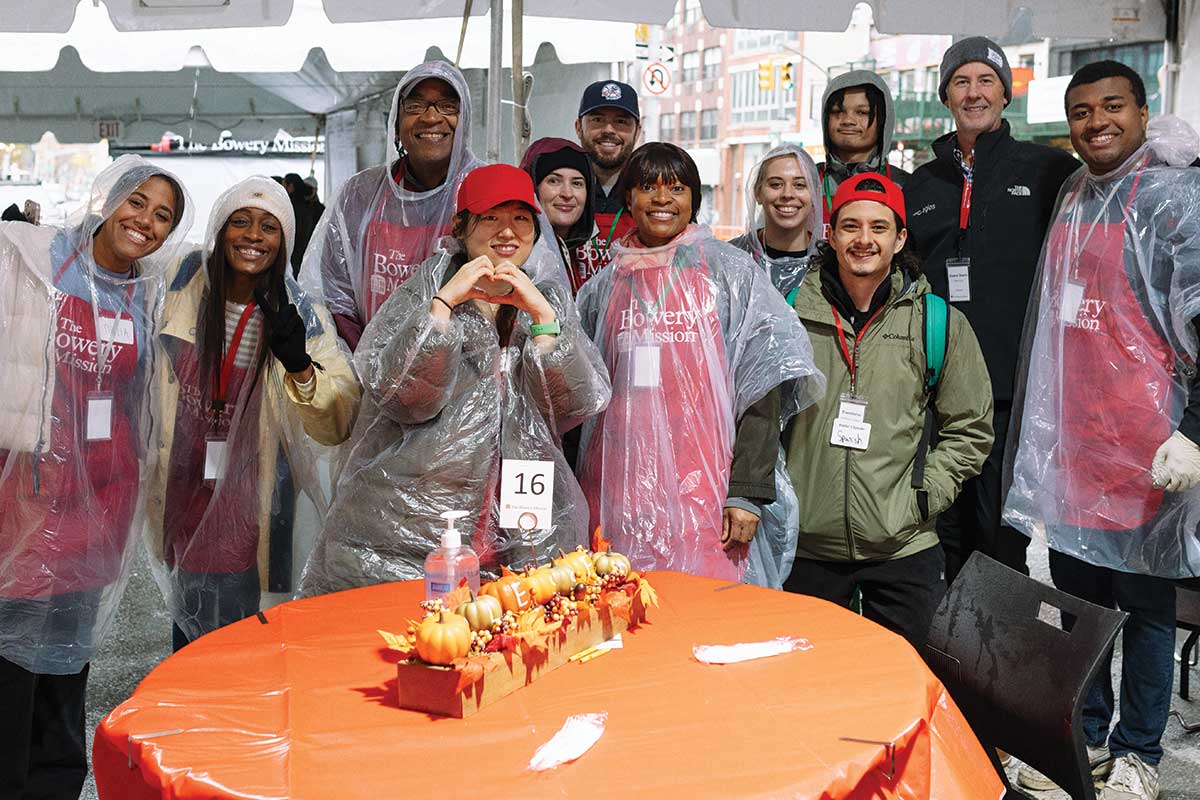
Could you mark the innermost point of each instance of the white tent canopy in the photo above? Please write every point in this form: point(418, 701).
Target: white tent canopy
point(1122, 19)
point(349, 47)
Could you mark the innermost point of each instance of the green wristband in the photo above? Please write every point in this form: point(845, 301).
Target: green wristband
point(552, 328)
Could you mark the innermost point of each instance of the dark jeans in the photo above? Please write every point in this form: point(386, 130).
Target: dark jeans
point(1147, 655)
point(207, 602)
point(43, 744)
point(901, 595)
point(972, 522)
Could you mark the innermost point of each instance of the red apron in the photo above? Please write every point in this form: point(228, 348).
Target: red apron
point(222, 539)
point(657, 467)
point(69, 532)
point(391, 254)
point(1116, 375)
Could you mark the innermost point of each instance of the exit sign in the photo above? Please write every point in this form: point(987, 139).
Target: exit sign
point(108, 129)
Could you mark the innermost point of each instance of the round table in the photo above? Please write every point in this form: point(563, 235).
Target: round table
point(303, 705)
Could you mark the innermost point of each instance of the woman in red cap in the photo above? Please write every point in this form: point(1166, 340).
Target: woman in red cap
point(477, 359)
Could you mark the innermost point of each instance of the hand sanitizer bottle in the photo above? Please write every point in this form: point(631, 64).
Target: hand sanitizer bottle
point(446, 566)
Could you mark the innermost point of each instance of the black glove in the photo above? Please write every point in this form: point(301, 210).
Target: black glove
point(285, 330)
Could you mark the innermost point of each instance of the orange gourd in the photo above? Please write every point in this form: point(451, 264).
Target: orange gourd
point(511, 590)
point(579, 561)
point(564, 578)
point(541, 584)
point(443, 638)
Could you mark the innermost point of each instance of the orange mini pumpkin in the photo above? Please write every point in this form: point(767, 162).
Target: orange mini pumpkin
point(443, 638)
point(542, 585)
point(511, 590)
point(579, 561)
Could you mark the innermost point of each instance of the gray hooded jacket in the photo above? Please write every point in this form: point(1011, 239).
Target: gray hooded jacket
point(834, 171)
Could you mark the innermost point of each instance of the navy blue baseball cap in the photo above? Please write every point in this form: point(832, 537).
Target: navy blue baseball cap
point(610, 94)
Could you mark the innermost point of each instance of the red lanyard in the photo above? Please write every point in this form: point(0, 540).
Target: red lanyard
point(837, 320)
point(964, 211)
point(230, 356)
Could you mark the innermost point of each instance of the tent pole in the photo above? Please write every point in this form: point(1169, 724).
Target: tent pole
point(495, 81)
point(518, 80)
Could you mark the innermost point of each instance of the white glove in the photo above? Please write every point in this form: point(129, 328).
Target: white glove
point(1176, 465)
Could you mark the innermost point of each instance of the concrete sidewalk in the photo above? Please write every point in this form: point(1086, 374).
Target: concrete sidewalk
point(141, 638)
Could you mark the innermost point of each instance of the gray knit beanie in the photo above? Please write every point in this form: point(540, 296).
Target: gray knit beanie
point(975, 48)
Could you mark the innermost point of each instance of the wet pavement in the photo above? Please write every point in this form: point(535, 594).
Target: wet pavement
point(141, 638)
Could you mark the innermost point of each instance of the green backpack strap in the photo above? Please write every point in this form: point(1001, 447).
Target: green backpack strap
point(937, 321)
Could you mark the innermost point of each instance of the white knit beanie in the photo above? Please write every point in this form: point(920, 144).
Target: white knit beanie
point(255, 192)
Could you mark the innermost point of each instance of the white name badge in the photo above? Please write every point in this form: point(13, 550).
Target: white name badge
point(99, 417)
point(847, 433)
point(852, 408)
point(1072, 299)
point(646, 363)
point(526, 494)
point(958, 271)
point(214, 459)
point(116, 329)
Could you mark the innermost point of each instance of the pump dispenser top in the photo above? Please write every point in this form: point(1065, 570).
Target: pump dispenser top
point(451, 537)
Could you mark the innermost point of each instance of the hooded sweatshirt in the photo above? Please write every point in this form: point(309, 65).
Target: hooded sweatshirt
point(786, 269)
point(378, 230)
point(582, 260)
point(834, 170)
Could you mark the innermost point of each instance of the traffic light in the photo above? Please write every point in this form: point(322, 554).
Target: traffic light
point(785, 76)
point(766, 76)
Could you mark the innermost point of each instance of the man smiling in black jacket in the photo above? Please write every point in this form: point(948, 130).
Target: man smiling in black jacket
point(978, 214)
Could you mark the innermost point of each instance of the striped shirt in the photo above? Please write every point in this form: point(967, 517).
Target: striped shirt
point(248, 348)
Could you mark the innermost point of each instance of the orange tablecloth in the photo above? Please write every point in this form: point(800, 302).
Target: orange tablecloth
point(305, 707)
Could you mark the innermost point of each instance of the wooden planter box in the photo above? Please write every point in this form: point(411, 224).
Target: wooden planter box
point(424, 687)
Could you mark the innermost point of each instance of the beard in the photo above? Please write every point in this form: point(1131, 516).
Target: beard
point(609, 163)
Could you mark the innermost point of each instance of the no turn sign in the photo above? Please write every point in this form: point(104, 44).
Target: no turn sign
point(656, 78)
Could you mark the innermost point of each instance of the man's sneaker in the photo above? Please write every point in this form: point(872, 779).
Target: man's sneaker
point(1131, 779)
point(1099, 758)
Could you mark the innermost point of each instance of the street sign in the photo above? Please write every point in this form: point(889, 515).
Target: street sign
point(641, 51)
point(666, 53)
point(656, 78)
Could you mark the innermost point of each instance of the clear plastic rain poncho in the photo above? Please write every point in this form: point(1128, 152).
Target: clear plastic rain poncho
point(236, 499)
point(787, 273)
point(375, 233)
point(443, 404)
point(75, 421)
point(693, 334)
point(1109, 353)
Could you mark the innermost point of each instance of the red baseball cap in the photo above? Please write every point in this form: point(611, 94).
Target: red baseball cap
point(493, 185)
point(891, 196)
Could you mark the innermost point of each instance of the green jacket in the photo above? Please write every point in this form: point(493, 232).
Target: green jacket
point(859, 505)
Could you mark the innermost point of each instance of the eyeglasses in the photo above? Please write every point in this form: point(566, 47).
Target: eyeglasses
point(415, 107)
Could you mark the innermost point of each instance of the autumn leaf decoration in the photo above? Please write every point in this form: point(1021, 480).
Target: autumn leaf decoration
point(406, 645)
point(599, 543)
point(471, 669)
point(459, 595)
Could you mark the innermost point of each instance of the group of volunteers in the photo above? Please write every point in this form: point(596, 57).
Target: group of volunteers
point(884, 374)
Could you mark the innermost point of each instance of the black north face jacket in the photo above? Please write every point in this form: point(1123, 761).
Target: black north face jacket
point(1013, 194)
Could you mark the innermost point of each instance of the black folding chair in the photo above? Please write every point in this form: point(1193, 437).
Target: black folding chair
point(1019, 681)
point(1187, 617)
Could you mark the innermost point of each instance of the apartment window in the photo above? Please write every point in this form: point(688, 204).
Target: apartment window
point(1026, 60)
point(687, 127)
point(1143, 57)
point(905, 82)
point(750, 104)
point(708, 125)
point(691, 11)
point(712, 63)
point(666, 128)
point(691, 66)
